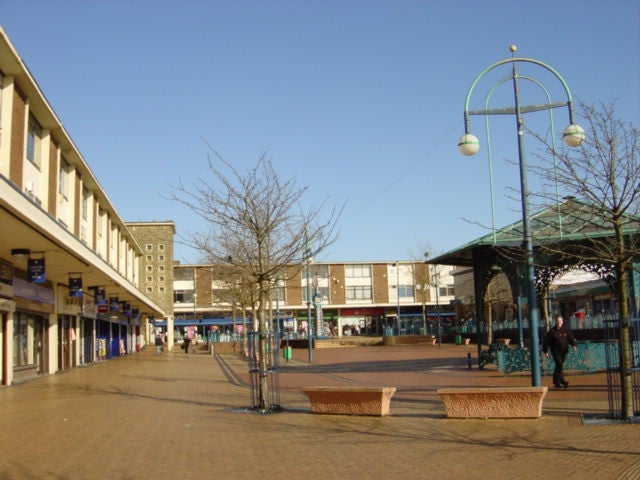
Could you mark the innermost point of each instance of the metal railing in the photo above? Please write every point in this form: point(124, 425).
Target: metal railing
point(617, 371)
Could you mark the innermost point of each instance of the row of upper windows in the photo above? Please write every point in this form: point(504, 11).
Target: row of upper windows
point(161, 258)
point(87, 224)
point(149, 247)
point(149, 268)
point(161, 279)
point(152, 290)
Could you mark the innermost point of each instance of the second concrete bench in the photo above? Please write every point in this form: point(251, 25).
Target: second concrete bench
point(493, 402)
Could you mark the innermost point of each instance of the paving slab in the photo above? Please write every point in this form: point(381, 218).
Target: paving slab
point(152, 416)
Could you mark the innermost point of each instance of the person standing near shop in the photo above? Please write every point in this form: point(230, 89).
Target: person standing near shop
point(557, 340)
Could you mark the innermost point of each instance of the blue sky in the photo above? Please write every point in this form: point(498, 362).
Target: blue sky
point(361, 101)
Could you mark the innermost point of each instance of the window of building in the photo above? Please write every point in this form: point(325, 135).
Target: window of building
point(179, 296)
point(63, 178)
point(85, 202)
point(149, 268)
point(161, 258)
point(161, 289)
point(405, 291)
point(26, 338)
point(148, 247)
point(149, 279)
point(183, 273)
point(320, 271)
point(34, 141)
point(447, 290)
point(358, 292)
point(318, 294)
point(277, 294)
point(149, 258)
point(161, 279)
point(161, 268)
point(101, 217)
point(149, 289)
point(161, 247)
point(357, 271)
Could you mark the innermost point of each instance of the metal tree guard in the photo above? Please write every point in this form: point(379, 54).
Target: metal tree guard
point(616, 369)
point(264, 373)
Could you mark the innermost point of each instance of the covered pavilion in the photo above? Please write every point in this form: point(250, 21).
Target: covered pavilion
point(564, 237)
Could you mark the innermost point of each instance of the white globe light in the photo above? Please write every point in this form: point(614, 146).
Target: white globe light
point(468, 144)
point(573, 135)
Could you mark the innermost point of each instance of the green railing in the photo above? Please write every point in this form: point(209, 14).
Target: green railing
point(588, 358)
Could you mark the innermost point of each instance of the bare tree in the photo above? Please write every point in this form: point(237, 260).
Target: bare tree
point(603, 173)
point(256, 225)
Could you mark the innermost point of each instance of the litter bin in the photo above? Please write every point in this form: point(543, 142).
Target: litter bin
point(286, 353)
point(458, 339)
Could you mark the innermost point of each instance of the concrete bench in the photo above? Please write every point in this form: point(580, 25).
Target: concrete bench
point(493, 402)
point(350, 400)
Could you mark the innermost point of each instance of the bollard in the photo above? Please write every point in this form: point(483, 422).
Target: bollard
point(469, 361)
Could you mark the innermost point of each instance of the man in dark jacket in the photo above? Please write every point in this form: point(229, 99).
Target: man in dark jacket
point(558, 339)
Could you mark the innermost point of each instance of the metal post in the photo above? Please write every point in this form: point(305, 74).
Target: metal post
point(398, 296)
point(437, 276)
point(309, 327)
point(532, 304)
point(424, 301)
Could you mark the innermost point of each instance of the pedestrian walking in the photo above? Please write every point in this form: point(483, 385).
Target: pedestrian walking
point(158, 344)
point(557, 340)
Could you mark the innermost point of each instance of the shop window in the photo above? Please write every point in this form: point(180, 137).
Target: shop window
point(24, 341)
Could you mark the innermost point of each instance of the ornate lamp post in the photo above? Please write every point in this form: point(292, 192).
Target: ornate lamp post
point(468, 145)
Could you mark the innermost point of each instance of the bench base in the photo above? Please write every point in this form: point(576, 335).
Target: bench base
point(350, 400)
point(493, 402)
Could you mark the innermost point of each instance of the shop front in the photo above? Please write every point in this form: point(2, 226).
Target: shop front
point(360, 321)
point(67, 342)
point(30, 335)
point(7, 308)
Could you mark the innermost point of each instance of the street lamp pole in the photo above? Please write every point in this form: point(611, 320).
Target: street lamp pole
point(307, 261)
point(469, 145)
point(195, 307)
point(424, 297)
point(436, 277)
point(398, 296)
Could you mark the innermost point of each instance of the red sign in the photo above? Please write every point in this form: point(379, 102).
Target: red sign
point(360, 312)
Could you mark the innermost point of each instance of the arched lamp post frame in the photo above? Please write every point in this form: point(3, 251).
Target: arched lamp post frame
point(468, 144)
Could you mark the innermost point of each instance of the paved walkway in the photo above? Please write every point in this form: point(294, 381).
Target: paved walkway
point(175, 415)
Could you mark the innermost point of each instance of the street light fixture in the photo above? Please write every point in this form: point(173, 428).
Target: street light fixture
point(468, 144)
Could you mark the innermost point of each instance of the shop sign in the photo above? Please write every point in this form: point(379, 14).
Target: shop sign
point(114, 304)
point(32, 291)
point(6, 273)
point(361, 312)
point(36, 270)
point(7, 305)
point(75, 287)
